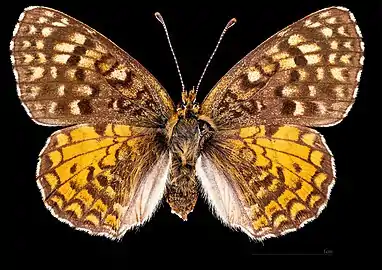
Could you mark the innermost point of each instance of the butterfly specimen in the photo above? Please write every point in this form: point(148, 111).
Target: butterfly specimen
point(249, 147)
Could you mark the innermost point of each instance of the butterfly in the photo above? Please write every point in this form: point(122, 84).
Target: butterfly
point(249, 148)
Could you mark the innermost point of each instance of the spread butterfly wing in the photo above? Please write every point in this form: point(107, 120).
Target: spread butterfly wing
point(266, 180)
point(67, 73)
point(306, 74)
point(103, 179)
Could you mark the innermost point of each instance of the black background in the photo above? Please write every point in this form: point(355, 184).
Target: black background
point(349, 224)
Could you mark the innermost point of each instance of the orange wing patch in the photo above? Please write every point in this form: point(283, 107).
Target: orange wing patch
point(283, 175)
point(88, 174)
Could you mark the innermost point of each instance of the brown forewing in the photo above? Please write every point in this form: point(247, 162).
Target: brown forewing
point(67, 73)
point(306, 74)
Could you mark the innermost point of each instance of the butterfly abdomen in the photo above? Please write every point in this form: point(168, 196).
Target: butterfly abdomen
point(182, 192)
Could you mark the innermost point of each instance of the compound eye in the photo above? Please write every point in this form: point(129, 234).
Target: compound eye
point(204, 127)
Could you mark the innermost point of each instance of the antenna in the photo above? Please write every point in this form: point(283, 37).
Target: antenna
point(160, 19)
point(229, 24)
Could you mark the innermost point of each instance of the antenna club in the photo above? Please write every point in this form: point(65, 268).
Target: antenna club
point(159, 17)
point(231, 23)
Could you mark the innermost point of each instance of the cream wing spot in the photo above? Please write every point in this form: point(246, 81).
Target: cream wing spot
point(254, 75)
point(40, 44)
point(85, 90)
point(295, 39)
point(47, 31)
point(52, 107)
point(64, 47)
point(37, 73)
point(307, 48)
point(337, 73)
point(314, 25)
point(332, 58)
point(347, 45)
point(312, 90)
point(307, 22)
point(259, 105)
point(339, 91)
point(115, 105)
point(41, 58)
point(282, 33)
point(78, 38)
point(303, 74)
point(324, 14)
point(320, 73)
point(74, 109)
point(49, 13)
point(61, 58)
point(42, 20)
point(70, 73)
point(93, 54)
point(313, 58)
point(100, 48)
point(61, 90)
point(32, 30)
point(53, 72)
point(345, 58)
point(287, 63)
point(331, 20)
point(65, 21)
point(289, 90)
point(327, 32)
point(119, 74)
point(34, 91)
point(341, 31)
point(87, 62)
point(280, 55)
point(299, 109)
point(28, 58)
point(59, 24)
point(334, 45)
point(26, 44)
point(273, 50)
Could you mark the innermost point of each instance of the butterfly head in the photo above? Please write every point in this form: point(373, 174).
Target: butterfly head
point(188, 108)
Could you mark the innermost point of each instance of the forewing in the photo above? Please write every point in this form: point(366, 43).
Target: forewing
point(67, 73)
point(104, 178)
point(306, 74)
point(267, 180)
